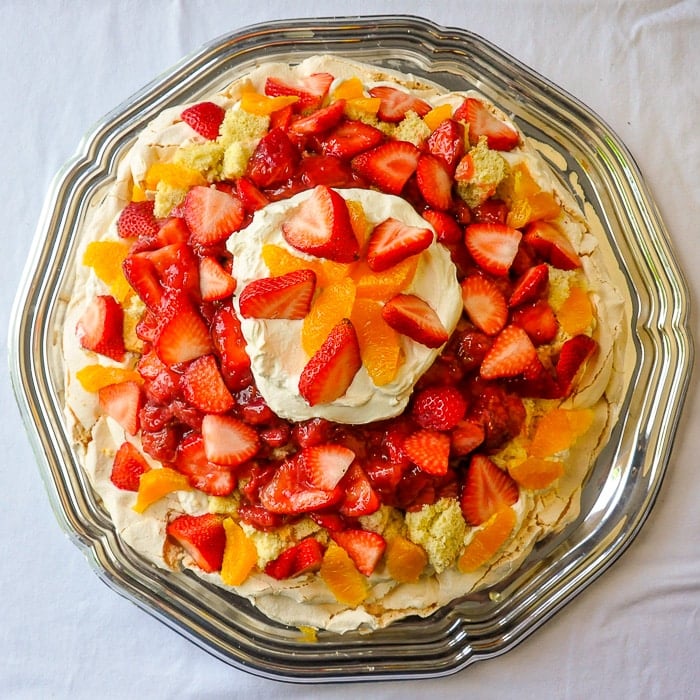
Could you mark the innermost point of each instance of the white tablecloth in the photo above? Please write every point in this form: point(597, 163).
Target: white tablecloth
point(635, 633)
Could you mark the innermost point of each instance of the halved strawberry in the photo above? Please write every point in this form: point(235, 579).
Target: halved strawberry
point(142, 276)
point(493, 246)
point(230, 345)
point(364, 547)
point(191, 460)
point(465, 437)
point(137, 220)
point(329, 373)
point(326, 464)
point(205, 118)
point(429, 450)
point(320, 121)
point(100, 328)
point(128, 466)
point(274, 160)
point(176, 268)
point(447, 229)
point(311, 90)
point(122, 402)
point(212, 215)
point(573, 356)
point(434, 182)
point(214, 281)
point(486, 488)
point(395, 103)
point(499, 135)
point(251, 197)
point(358, 496)
point(531, 285)
point(228, 441)
point(537, 320)
point(183, 334)
point(349, 139)
point(411, 316)
point(392, 241)
point(321, 226)
point(202, 536)
point(438, 407)
point(304, 557)
point(552, 245)
point(388, 166)
point(447, 142)
point(484, 303)
point(510, 355)
point(286, 296)
point(204, 388)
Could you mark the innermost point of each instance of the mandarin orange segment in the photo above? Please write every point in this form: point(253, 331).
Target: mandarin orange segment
point(341, 576)
point(382, 286)
point(349, 89)
point(575, 315)
point(174, 174)
point(558, 430)
point(330, 307)
point(94, 377)
point(487, 541)
point(279, 261)
point(543, 206)
point(580, 420)
point(405, 560)
point(240, 554)
point(380, 347)
point(360, 226)
point(362, 105)
point(106, 258)
point(536, 473)
point(137, 194)
point(157, 483)
point(264, 105)
point(437, 115)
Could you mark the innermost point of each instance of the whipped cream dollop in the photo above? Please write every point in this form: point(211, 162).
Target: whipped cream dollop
point(274, 345)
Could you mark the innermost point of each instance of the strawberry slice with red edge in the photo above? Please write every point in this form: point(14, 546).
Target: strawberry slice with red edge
point(321, 227)
point(358, 496)
point(538, 321)
point(434, 182)
point(204, 388)
point(364, 547)
point(183, 334)
point(493, 246)
point(211, 214)
point(230, 346)
point(484, 303)
point(330, 371)
point(205, 118)
point(251, 197)
point(311, 90)
point(388, 166)
point(100, 327)
point(228, 441)
point(465, 437)
point(510, 355)
point(326, 464)
point(214, 281)
point(500, 136)
point(447, 230)
point(122, 402)
point(392, 241)
point(447, 142)
point(274, 160)
point(573, 356)
point(429, 450)
point(531, 285)
point(320, 121)
point(202, 536)
point(395, 103)
point(191, 460)
point(286, 296)
point(137, 220)
point(128, 466)
point(552, 245)
point(413, 317)
point(485, 489)
point(142, 276)
point(350, 138)
point(304, 557)
point(176, 268)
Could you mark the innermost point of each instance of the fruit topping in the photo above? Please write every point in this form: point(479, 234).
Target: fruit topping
point(100, 327)
point(128, 467)
point(429, 450)
point(434, 182)
point(573, 357)
point(274, 160)
point(204, 387)
point(341, 576)
point(183, 334)
point(212, 215)
point(499, 135)
point(240, 554)
point(310, 90)
point(392, 241)
point(493, 246)
point(552, 245)
point(301, 558)
point(405, 560)
point(486, 489)
point(411, 316)
point(228, 441)
point(395, 103)
point(349, 139)
point(287, 296)
point(484, 303)
point(214, 281)
point(388, 166)
point(438, 407)
point(202, 536)
point(488, 540)
point(511, 354)
point(447, 142)
point(122, 402)
point(205, 118)
point(365, 548)
point(154, 484)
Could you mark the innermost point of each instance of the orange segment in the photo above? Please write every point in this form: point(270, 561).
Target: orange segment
point(536, 473)
point(437, 115)
point(528, 202)
point(379, 344)
point(156, 483)
point(137, 194)
point(405, 560)
point(349, 89)
point(558, 430)
point(331, 306)
point(341, 576)
point(240, 554)
point(95, 377)
point(487, 541)
point(360, 226)
point(264, 105)
point(363, 105)
point(106, 258)
point(575, 315)
point(384, 285)
point(178, 176)
point(279, 261)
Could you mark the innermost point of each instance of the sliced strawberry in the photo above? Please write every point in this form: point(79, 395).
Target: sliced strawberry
point(392, 241)
point(230, 345)
point(365, 548)
point(274, 160)
point(434, 182)
point(176, 268)
point(212, 215)
point(358, 496)
point(330, 171)
point(491, 211)
point(204, 388)
point(286, 296)
point(572, 358)
point(142, 276)
point(122, 402)
point(531, 285)
point(205, 118)
point(493, 246)
point(486, 488)
point(447, 142)
point(429, 450)
point(137, 221)
point(251, 197)
point(330, 371)
point(228, 441)
point(538, 321)
point(326, 464)
point(465, 437)
point(552, 245)
point(100, 328)
point(183, 334)
point(395, 103)
point(411, 316)
point(510, 355)
point(447, 229)
point(321, 226)
point(388, 166)
point(349, 139)
point(128, 466)
point(214, 282)
point(539, 382)
point(320, 121)
point(484, 303)
point(202, 536)
point(438, 407)
point(472, 346)
point(191, 460)
point(311, 90)
point(160, 382)
point(499, 135)
point(304, 557)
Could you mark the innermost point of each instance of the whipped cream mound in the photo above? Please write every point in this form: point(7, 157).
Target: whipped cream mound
point(274, 345)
